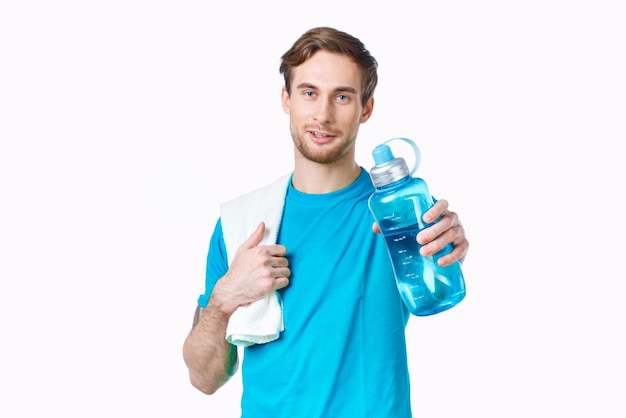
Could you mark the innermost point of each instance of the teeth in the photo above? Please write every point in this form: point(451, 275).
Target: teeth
point(319, 135)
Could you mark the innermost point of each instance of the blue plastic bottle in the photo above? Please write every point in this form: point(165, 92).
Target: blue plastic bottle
point(398, 204)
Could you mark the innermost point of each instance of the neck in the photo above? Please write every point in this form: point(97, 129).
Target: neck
point(314, 178)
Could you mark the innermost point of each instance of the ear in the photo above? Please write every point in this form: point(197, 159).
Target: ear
point(284, 98)
point(367, 110)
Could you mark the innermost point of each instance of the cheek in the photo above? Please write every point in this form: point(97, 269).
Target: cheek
point(352, 119)
point(298, 111)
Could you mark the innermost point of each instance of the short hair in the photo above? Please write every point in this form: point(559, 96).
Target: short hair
point(331, 40)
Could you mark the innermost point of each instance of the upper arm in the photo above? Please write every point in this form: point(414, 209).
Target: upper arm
point(196, 316)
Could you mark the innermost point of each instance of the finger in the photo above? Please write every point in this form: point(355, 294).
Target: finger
point(430, 233)
point(281, 282)
point(375, 228)
point(277, 253)
point(280, 272)
point(454, 236)
point(255, 238)
point(448, 220)
point(447, 259)
point(437, 210)
point(434, 246)
point(457, 254)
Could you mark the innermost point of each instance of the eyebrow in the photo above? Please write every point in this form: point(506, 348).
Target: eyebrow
point(338, 89)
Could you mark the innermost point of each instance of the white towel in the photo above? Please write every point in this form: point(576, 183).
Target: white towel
point(261, 321)
point(257, 323)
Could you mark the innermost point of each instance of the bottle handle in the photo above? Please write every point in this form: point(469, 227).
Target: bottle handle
point(416, 151)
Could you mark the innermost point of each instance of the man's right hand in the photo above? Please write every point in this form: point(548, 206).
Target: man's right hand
point(256, 271)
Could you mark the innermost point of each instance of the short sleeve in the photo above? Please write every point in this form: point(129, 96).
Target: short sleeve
point(216, 263)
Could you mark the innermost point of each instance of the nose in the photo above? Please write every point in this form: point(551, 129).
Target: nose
point(323, 111)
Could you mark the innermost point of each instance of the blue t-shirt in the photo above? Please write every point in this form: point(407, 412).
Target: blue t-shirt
point(343, 351)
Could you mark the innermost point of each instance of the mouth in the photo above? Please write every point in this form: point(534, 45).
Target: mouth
point(321, 137)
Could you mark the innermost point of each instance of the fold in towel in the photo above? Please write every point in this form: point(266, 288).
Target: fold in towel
point(257, 323)
point(261, 321)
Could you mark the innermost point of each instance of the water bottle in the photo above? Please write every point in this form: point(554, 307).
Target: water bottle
point(398, 204)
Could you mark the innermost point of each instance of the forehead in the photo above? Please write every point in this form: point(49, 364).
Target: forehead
point(328, 70)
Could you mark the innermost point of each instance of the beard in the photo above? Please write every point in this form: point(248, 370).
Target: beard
point(322, 153)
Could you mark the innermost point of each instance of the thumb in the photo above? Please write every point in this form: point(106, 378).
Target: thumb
point(255, 238)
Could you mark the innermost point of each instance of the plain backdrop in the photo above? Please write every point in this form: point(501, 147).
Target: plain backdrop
point(123, 124)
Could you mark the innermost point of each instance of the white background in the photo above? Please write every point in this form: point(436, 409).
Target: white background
point(123, 124)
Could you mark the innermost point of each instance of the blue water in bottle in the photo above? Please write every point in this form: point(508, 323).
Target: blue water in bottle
point(398, 204)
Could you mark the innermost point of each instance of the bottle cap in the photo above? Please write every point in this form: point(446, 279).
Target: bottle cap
point(388, 168)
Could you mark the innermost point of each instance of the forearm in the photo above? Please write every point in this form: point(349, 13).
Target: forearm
point(211, 360)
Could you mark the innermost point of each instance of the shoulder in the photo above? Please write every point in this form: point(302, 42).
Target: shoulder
point(250, 199)
point(241, 216)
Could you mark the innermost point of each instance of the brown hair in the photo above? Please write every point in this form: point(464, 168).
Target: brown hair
point(332, 40)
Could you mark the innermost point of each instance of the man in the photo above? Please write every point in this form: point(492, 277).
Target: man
point(342, 351)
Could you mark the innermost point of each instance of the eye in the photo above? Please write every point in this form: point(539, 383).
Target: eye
point(309, 93)
point(342, 98)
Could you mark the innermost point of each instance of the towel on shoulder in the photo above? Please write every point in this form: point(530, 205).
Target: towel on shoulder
point(261, 321)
